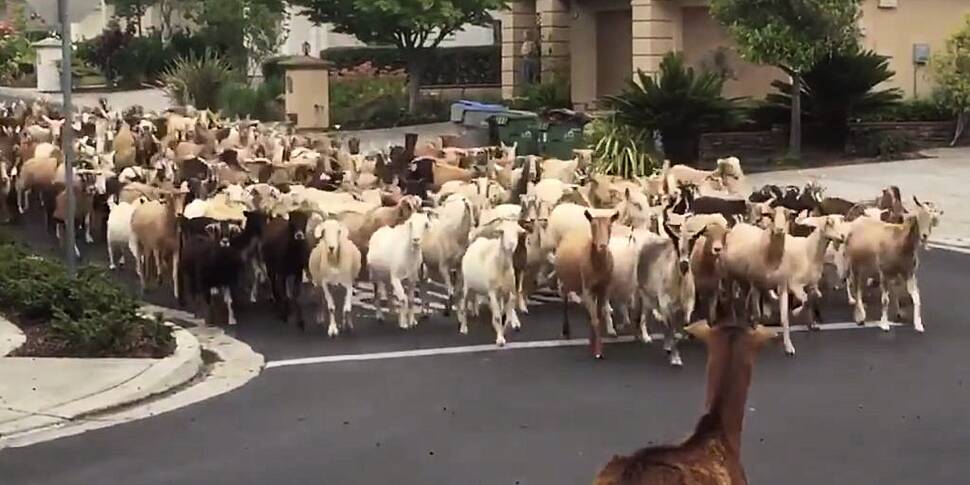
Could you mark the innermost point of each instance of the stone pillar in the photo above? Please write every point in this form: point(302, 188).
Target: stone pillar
point(656, 31)
point(516, 21)
point(554, 35)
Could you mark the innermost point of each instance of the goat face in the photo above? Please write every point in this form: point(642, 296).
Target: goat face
point(601, 230)
point(418, 225)
point(297, 222)
point(222, 232)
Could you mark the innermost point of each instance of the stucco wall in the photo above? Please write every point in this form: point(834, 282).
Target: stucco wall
point(705, 38)
point(893, 31)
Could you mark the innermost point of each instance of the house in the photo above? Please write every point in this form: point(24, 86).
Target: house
point(598, 44)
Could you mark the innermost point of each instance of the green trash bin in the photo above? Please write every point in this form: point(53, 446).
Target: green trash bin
point(520, 127)
point(564, 133)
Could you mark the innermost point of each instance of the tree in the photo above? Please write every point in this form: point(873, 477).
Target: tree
point(952, 70)
point(132, 10)
point(248, 30)
point(840, 86)
point(792, 35)
point(678, 102)
point(416, 27)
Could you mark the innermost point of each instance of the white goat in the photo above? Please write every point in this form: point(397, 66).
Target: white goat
point(487, 270)
point(335, 260)
point(394, 257)
point(119, 228)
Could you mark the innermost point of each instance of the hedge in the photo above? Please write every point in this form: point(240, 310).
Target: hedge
point(86, 315)
point(449, 66)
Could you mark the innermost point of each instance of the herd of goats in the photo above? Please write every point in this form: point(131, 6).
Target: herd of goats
point(232, 207)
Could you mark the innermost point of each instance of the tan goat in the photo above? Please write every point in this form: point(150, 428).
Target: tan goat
point(584, 265)
point(154, 235)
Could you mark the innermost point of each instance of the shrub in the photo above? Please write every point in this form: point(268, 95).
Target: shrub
point(261, 102)
point(15, 53)
point(197, 80)
point(448, 65)
point(886, 146)
point(839, 87)
point(932, 109)
point(552, 94)
point(619, 149)
point(87, 314)
point(678, 102)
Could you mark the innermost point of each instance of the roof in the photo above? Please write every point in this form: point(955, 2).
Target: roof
point(303, 62)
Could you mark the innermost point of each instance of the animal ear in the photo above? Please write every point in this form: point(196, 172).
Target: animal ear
point(917, 201)
point(699, 330)
point(589, 217)
point(614, 217)
point(762, 335)
point(626, 193)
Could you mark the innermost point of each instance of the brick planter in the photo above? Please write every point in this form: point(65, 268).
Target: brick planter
point(923, 134)
point(755, 146)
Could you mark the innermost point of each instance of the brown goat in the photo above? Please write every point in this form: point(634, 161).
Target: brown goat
point(712, 454)
point(584, 265)
point(154, 235)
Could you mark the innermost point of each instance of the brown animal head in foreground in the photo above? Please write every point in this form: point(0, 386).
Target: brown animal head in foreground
point(712, 454)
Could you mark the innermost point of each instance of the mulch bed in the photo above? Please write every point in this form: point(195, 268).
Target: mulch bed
point(41, 342)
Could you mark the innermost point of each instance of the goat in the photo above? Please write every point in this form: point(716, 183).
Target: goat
point(487, 269)
point(394, 258)
point(447, 238)
point(334, 261)
point(584, 264)
point(286, 253)
point(712, 454)
point(209, 264)
point(705, 264)
point(118, 231)
point(753, 258)
point(888, 251)
point(666, 284)
point(154, 236)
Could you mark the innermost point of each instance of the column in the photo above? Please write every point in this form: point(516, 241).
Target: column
point(519, 18)
point(554, 35)
point(656, 31)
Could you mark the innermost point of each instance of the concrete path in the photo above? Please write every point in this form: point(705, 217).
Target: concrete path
point(41, 392)
point(942, 179)
point(151, 99)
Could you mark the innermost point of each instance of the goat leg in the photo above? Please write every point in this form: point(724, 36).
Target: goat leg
point(332, 330)
point(565, 314)
point(593, 308)
point(913, 288)
point(401, 298)
point(227, 299)
point(449, 287)
point(783, 310)
point(88, 238)
point(496, 309)
point(462, 311)
point(348, 319)
point(884, 287)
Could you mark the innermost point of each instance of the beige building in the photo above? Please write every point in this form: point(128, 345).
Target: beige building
point(598, 44)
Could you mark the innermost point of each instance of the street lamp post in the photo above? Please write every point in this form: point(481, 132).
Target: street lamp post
point(67, 134)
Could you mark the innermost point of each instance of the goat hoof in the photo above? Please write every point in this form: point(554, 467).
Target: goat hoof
point(598, 356)
point(789, 350)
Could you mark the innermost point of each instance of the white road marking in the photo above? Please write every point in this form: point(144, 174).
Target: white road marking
point(949, 247)
point(538, 344)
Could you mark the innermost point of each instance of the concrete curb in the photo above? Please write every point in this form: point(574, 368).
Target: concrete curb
point(10, 337)
point(237, 365)
point(161, 376)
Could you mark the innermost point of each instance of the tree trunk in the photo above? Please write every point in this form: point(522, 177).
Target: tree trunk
point(961, 125)
point(795, 131)
point(415, 72)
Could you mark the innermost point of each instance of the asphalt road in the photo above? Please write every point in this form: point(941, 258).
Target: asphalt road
point(853, 407)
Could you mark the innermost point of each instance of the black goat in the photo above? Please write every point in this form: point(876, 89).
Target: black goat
point(286, 253)
point(208, 262)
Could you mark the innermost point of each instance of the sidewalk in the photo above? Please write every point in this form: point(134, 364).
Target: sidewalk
point(942, 180)
point(38, 393)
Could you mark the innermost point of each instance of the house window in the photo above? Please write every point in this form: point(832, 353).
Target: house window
point(888, 3)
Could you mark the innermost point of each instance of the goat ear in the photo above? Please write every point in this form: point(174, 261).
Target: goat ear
point(699, 330)
point(917, 201)
point(762, 335)
point(671, 233)
point(614, 217)
point(589, 217)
